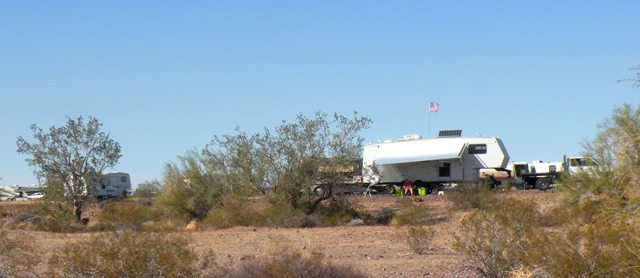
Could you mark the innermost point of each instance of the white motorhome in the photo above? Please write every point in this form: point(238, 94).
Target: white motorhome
point(112, 185)
point(20, 192)
point(8, 193)
point(434, 162)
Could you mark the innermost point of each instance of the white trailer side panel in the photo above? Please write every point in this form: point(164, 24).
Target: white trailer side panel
point(432, 160)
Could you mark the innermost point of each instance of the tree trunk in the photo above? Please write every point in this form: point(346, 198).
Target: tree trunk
point(77, 209)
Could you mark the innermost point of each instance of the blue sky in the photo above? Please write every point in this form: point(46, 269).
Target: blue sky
point(166, 76)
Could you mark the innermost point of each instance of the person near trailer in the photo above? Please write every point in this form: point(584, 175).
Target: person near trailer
point(407, 187)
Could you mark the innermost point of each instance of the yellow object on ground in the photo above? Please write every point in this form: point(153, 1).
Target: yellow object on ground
point(399, 192)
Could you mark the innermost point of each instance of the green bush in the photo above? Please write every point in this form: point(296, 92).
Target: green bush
point(337, 211)
point(468, 196)
point(281, 213)
point(51, 216)
point(496, 240)
point(130, 254)
point(419, 239)
point(604, 248)
point(236, 210)
point(129, 216)
point(192, 188)
point(410, 213)
point(148, 189)
point(293, 264)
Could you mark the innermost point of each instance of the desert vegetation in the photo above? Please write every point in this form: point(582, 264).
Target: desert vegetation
point(218, 210)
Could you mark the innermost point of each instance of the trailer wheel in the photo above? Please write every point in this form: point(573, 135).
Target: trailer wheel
point(320, 190)
point(543, 184)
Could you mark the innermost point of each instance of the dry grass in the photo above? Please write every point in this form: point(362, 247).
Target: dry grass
point(378, 250)
point(294, 264)
point(129, 254)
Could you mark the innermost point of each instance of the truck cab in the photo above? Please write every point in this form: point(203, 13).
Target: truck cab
point(580, 164)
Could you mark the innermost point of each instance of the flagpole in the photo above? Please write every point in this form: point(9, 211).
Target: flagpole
point(429, 123)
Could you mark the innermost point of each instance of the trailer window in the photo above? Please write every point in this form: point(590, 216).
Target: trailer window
point(123, 179)
point(444, 169)
point(477, 148)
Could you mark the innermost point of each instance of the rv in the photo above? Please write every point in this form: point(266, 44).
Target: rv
point(435, 162)
point(20, 192)
point(112, 185)
point(8, 193)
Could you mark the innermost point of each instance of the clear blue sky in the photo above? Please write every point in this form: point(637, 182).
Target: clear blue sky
point(165, 76)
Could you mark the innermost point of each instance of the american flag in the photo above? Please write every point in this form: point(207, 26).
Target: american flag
point(433, 106)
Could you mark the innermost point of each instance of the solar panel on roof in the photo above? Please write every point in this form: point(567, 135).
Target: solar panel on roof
point(450, 133)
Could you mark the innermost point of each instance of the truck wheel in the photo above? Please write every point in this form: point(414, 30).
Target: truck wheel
point(520, 185)
point(320, 190)
point(543, 184)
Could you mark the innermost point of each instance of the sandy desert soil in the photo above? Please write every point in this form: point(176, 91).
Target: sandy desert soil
point(378, 251)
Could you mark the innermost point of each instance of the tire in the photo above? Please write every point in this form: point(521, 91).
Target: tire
point(543, 184)
point(321, 191)
point(520, 185)
point(390, 188)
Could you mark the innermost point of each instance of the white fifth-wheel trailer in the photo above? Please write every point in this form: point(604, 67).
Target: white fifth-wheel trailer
point(435, 162)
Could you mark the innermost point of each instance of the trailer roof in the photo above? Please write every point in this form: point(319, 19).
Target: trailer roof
point(420, 150)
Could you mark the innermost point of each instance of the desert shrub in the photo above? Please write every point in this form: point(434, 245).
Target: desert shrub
point(419, 239)
point(382, 217)
point(129, 216)
point(17, 255)
point(468, 196)
point(338, 211)
point(147, 189)
point(495, 240)
point(235, 210)
point(527, 272)
point(192, 188)
point(130, 254)
point(598, 218)
point(50, 216)
point(293, 264)
point(603, 248)
point(281, 213)
point(410, 213)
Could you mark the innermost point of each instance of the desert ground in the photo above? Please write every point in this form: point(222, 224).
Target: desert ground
point(378, 250)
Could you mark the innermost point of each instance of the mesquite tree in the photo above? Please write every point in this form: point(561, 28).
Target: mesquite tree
point(288, 160)
point(74, 155)
point(310, 150)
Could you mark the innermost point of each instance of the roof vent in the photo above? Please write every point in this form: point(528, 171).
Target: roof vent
point(412, 137)
point(450, 133)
